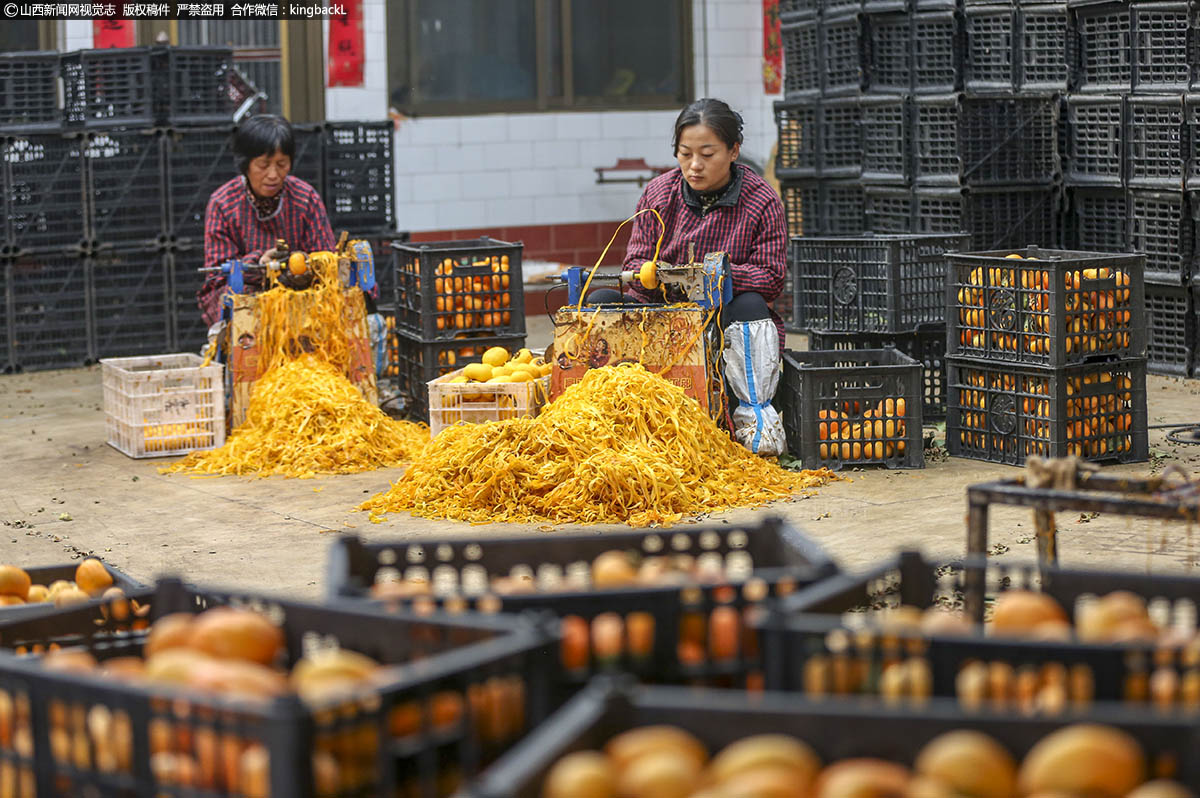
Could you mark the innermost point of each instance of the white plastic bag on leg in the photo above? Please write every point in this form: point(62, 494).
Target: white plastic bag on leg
point(752, 369)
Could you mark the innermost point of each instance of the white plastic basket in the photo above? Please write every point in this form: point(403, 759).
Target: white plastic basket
point(163, 405)
point(477, 402)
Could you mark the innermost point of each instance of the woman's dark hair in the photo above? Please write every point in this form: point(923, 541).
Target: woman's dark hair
point(262, 135)
point(715, 115)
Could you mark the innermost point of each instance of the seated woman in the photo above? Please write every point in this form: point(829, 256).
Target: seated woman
point(264, 203)
point(718, 205)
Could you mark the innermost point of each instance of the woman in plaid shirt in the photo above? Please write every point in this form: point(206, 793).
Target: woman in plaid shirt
point(262, 204)
point(718, 205)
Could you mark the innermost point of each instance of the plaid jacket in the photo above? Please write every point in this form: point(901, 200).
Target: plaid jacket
point(747, 223)
point(232, 229)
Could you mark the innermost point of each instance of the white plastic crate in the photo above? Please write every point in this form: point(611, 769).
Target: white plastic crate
point(477, 402)
point(163, 405)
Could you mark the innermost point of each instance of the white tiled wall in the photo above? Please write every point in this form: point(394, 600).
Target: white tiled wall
point(74, 34)
point(524, 169)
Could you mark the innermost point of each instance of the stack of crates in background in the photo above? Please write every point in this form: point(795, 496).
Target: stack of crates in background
point(453, 301)
point(1046, 355)
point(923, 116)
point(1131, 168)
point(107, 161)
point(867, 293)
point(819, 158)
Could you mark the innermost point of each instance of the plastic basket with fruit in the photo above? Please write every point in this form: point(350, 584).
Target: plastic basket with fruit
point(669, 606)
point(234, 694)
point(899, 631)
point(1045, 307)
point(647, 742)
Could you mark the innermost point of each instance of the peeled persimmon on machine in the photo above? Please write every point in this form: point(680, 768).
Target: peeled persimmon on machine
point(244, 317)
point(673, 338)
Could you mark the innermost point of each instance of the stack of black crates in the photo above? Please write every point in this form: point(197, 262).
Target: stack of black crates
point(867, 292)
point(453, 301)
point(1046, 355)
point(107, 160)
point(1133, 125)
point(923, 116)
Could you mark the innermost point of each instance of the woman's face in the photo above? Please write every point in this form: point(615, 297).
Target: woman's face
point(704, 158)
point(266, 173)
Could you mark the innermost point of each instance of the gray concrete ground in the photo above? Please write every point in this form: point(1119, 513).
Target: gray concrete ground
point(64, 493)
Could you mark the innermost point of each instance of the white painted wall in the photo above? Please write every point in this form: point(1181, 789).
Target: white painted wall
point(74, 34)
point(523, 169)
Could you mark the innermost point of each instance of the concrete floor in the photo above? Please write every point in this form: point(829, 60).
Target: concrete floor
point(66, 494)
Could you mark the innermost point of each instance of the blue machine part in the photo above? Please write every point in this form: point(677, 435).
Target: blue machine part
point(362, 269)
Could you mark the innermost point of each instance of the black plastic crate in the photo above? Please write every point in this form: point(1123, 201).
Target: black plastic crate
point(914, 51)
point(796, 122)
point(1191, 110)
point(823, 207)
point(843, 409)
point(802, 57)
point(1017, 48)
point(445, 288)
point(141, 86)
point(193, 90)
point(985, 141)
point(1047, 307)
point(1104, 34)
point(1172, 329)
point(417, 362)
point(995, 217)
point(358, 182)
point(819, 138)
point(126, 189)
point(198, 161)
point(927, 345)
point(751, 563)
point(43, 189)
point(797, 638)
point(48, 574)
point(309, 163)
point(890, 210)
point(29, 91)
point(789, 9)
point(992, 42)
point(1096, 137)
point(189, 333)
point(1162, 35)
point(880, 283)
point(842, 54)
point(1098, 219)
point(937, 52)
point(840, 138)
point(1003, 413)
point(889, 53)
point(50, 310)
point(383, 738)
point(1158, 143)
point(886, 139)
point(110, 87)
point(834, 729)
point(131, 302)
point(1162, 225)
point(1046, 48)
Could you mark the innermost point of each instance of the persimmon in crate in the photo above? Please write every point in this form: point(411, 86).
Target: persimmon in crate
point(1004, 412)
point(444, 288)
point(859, 407)
point(1045, 307)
